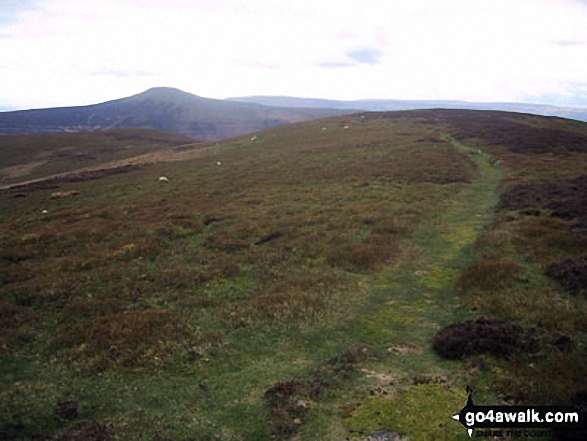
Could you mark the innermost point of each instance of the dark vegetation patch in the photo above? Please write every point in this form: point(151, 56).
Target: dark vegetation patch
point(519, 137)
point(482, 336)
point(269, 237)
point(571, 274)
point(513, 131)
point(66, 410)
point(88, 431)
point(579, 227)
point(565, 198)
point(289, 401)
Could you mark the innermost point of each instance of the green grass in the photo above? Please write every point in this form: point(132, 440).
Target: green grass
point(158, 308)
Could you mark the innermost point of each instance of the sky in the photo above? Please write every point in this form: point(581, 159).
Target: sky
point(77, 52)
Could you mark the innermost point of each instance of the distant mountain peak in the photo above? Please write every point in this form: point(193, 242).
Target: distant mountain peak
point(164, 93)
point(166, 109)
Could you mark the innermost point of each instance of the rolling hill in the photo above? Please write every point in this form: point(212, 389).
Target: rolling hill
point(379, 105)
point(164, 109)
point(333, 279)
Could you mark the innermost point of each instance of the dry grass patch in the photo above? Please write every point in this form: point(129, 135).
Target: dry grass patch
point(529, 379)
point(491, 276)
point(16, 323)
point(133, 339)
point(374, 252)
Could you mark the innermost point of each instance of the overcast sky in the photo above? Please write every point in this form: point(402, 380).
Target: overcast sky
point(76, 52)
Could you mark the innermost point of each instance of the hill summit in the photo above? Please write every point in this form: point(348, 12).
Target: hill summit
point(161, 108)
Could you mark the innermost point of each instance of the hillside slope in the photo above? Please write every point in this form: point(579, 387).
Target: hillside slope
point(328, 280)
point(164, 109)
point(378, 105)
point(27, 157)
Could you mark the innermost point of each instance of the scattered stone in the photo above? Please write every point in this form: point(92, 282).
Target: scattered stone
point(302, 405)
point(405, 349)
point(64, 194)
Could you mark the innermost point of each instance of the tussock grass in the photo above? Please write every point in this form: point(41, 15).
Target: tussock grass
point(132, 339)
point(491, 276)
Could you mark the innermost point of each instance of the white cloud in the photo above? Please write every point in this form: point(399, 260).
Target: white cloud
point(72, 52)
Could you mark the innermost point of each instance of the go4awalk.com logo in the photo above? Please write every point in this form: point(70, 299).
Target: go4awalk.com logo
point(520, 421)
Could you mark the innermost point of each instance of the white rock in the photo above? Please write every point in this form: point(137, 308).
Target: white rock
point(163, 179)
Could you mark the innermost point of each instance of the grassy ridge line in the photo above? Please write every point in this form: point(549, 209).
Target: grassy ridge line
point(414, 299)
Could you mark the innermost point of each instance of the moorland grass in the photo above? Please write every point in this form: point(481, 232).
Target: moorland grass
point(164, 313)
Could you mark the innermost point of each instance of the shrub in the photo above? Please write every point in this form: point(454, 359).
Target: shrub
point(571, 274)
point(481, 336)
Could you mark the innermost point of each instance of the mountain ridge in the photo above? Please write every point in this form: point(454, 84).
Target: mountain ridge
point(383, 105)
point(164, 109)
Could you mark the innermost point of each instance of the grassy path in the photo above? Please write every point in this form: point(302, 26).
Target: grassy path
point(402, 310)
point(414, 299)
